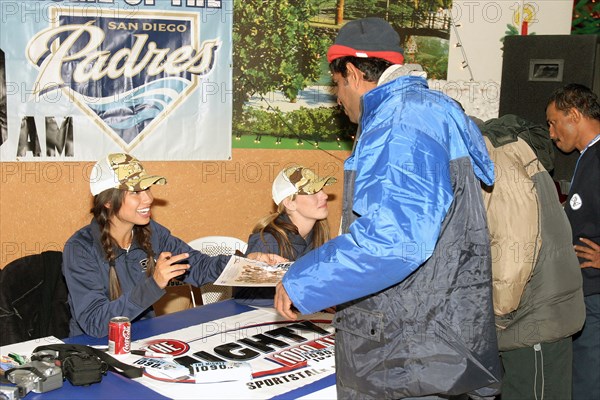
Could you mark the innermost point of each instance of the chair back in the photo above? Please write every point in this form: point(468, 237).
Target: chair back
point(214, 246)
point(33, 299)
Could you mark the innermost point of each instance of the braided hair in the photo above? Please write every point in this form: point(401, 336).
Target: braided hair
point(142, 234)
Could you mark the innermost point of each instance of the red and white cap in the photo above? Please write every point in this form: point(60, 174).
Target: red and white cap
point(367, 38)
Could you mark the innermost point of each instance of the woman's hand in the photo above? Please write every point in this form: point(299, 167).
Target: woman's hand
point(267, 258)
point(167, 268)
point(591, 252)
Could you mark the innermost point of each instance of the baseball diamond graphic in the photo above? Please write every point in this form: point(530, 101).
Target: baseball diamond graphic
point(120, 68)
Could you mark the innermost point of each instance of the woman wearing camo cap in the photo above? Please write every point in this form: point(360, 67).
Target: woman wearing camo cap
point(298, 226)
point(120, 264)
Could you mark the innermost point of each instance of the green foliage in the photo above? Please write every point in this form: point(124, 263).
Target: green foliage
point(510, 31)
point(274, 48)
point(393, 10)
point(433, 56)
point(279, 45)
point(316, 124)
point(364, 8)
point(585, 18)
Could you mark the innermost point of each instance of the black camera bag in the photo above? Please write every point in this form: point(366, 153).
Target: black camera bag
point(83, 369)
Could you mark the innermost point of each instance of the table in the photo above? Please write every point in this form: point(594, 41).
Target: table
point(116, 387)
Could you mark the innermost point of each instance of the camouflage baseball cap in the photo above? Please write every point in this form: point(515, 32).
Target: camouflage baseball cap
point(298, 180)
point(121, 171)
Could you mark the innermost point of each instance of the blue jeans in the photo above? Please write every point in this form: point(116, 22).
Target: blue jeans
point(586, 353)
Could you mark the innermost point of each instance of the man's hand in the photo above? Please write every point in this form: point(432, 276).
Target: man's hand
point(283, 303)
point(267, 258)
point(591, 252)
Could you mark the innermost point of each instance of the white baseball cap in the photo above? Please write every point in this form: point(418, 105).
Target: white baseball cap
point(121, 171)
point(298, 180)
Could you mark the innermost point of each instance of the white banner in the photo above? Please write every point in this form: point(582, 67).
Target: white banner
point(282, 356)
point(80, 79)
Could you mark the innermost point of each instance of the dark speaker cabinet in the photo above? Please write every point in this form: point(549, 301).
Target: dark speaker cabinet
point(534, 66)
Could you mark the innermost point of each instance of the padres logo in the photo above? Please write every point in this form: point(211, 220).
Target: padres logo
point(120, 68)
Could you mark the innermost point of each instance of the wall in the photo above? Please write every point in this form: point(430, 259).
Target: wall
point(479, 26)
point(43, 204)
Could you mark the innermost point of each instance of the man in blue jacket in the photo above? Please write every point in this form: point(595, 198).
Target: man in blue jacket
point(411, 272)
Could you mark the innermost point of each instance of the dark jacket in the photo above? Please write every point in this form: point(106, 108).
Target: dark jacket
point(537, 282)
point(583, 209)
point(33, 299)
point(86, 271)
point(413, 268)
point(263, 296)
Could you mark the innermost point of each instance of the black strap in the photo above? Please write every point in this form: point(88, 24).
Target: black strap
point(114, 365)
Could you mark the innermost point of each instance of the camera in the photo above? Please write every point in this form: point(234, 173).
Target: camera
point(9, 392)
point(39, 375)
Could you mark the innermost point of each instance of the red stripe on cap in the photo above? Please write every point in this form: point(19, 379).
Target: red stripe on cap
point(337, 51)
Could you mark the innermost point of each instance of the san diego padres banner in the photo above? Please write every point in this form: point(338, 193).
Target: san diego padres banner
point(80, 79)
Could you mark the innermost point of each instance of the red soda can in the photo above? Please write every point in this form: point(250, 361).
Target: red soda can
point(119, 335)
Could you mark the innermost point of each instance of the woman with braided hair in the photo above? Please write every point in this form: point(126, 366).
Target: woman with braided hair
point(120, 264)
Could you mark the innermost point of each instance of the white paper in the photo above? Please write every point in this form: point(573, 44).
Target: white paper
point(168, 369)
point(241, 271)
point(209, 372)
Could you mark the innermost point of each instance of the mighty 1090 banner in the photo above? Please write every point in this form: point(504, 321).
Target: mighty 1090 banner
point(80, 79)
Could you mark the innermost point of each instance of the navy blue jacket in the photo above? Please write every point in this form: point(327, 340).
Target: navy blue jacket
point(263, 296)
point(583, 209)
point(86, 272)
